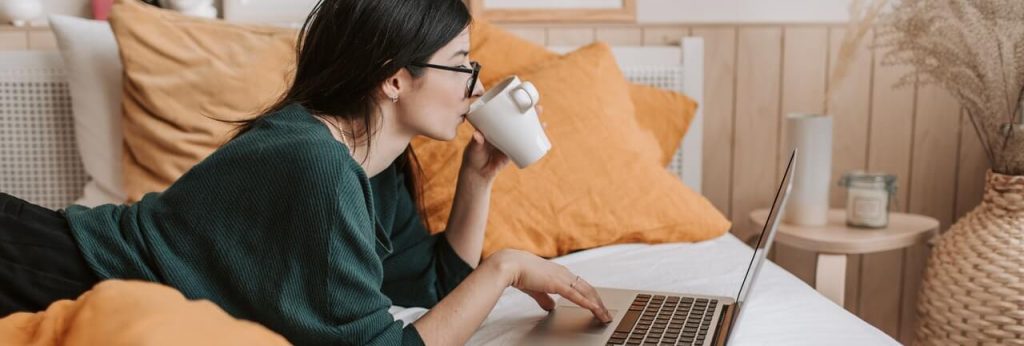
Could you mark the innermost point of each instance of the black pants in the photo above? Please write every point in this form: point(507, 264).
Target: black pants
point(39, 260)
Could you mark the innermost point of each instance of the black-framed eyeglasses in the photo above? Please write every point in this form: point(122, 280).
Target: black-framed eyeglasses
point(474, 72)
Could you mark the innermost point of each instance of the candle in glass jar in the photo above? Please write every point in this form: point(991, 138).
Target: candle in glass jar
point(868, 196)
point(868, 207)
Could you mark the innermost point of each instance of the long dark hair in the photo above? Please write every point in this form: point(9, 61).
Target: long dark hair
point(348, 48)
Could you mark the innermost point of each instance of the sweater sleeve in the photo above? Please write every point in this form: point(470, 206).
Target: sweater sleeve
point(423, 268)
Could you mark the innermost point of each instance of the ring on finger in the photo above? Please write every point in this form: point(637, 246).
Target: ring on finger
point(574, 282)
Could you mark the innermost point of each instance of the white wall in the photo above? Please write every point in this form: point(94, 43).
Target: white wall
point(83, 8)
point(653, 11)
point(80, 8)
point(742, 11)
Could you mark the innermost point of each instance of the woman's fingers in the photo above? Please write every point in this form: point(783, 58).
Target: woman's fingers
point(588, 300)
point(578, 298)
point(591, 293)
point(538, 277)
point(543, 299)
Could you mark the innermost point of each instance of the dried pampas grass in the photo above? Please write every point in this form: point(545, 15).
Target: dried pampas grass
point(862, 19)
point(975, 50)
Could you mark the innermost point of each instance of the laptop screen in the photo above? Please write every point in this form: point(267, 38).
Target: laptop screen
point(764, 240)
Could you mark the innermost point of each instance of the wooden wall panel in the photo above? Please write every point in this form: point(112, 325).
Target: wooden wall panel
point(934, 158)
point(620, 36)
point(719, 99)
point(914, 260)
point(758, 77)
point(805, 63)
point(26, 38)
point(973, 163)
point(570, 36)
point(891, 128)
point(804, 68)
point(535, 35)
point(664, 36)
point(879, 291)
point(42, 40)
point(851, 301)
point(851, 111)
point(13, 40)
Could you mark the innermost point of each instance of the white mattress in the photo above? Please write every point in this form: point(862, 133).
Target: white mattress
point(782, 310)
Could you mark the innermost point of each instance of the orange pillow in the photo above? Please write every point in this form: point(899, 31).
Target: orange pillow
point(602, 182)
point(178, 70)
point(666, 114)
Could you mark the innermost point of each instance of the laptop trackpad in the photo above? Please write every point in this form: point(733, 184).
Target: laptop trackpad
point(573, 320)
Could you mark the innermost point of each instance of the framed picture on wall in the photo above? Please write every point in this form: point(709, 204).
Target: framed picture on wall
point(618, 11)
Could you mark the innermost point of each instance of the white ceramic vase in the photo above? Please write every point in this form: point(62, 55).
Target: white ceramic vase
point(21, 12)
point(808, 202)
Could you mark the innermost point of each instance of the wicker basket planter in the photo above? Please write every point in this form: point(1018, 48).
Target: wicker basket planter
point(973, 289)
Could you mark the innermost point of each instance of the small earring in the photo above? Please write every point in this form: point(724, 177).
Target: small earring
point(394, 99)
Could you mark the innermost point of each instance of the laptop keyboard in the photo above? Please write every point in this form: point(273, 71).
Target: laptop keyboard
point(665, 320)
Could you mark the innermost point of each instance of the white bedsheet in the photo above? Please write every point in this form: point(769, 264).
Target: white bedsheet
point(782, 310)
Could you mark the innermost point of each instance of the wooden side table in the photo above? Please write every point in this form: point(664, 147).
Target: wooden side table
point(835, 240)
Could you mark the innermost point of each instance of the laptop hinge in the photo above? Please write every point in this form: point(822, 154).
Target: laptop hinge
point(725, 323)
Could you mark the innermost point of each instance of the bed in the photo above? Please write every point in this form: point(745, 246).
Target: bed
point(782, 309)
point(40, 163)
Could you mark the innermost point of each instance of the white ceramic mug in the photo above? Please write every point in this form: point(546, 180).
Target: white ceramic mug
point(507, 116)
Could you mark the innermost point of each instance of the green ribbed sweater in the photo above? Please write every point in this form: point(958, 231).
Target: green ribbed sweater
point(281, 226)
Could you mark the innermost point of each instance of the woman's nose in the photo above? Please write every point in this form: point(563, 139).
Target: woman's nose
point(478, 90)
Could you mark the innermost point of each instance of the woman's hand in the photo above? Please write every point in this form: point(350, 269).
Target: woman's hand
point(538, 277)
point(482, 160)
point(453, 320)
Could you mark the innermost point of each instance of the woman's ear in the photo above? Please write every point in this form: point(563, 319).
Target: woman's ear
point(394, 86)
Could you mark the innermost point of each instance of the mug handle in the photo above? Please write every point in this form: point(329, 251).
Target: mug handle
point(526, 96)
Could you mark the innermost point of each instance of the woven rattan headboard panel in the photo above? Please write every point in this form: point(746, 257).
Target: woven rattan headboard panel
point(39, 159)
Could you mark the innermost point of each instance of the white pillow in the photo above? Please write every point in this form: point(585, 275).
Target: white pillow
point(94, 75)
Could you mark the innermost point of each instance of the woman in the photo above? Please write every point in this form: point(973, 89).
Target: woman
point(307, 221)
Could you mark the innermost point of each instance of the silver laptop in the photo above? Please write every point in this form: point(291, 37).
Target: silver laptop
point(662, 318)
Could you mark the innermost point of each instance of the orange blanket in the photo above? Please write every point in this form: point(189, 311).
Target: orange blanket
point(118, 312)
